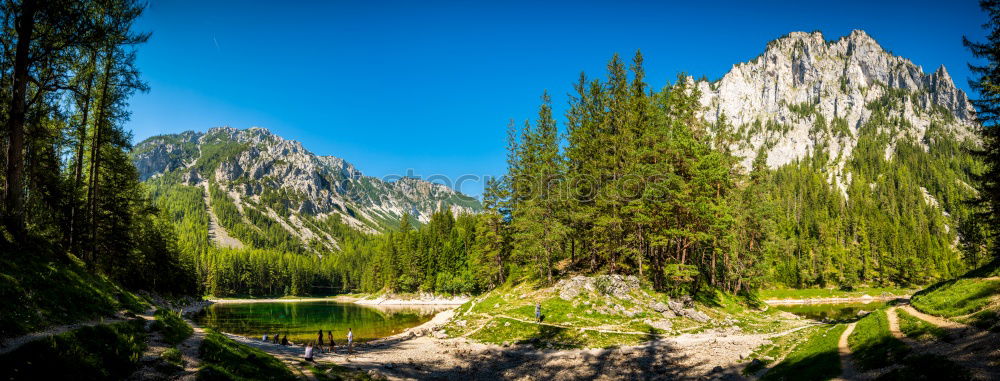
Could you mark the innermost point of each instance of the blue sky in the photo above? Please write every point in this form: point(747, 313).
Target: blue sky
point(429, 86)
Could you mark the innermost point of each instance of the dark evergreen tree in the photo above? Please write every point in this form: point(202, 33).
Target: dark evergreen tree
point(986, 81)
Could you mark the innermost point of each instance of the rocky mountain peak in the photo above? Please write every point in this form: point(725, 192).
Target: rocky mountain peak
point(775, 101)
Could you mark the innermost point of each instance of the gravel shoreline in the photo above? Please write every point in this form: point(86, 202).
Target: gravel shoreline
point(861, 299)
point(343, 299)
point(430, 300)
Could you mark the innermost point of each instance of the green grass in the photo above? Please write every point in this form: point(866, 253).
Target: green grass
point(766, 354)
point(815, 359)
point(820, 293)
point(927, 367)
point(101, 352)
point(509, 331)
point(172, 326)
point(225, 359)
point(986, 319)
point(40, 290)
point(334, 372)
point(956, 297)
point(580, 318)
point(872, 344)
point(919, 329)
point(173, 356)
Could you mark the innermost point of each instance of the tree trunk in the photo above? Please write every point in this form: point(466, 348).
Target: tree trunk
point(14, 199)
point(81, 143)
point(95, 157)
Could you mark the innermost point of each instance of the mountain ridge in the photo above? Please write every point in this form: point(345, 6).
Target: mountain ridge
point(278, 178)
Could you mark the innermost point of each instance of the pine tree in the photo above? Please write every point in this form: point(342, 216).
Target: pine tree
point(538, 228)
point(492, 238)
point(986, 82)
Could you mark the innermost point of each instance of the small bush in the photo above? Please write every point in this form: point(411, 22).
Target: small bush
point(172, 356)
point(174, 329)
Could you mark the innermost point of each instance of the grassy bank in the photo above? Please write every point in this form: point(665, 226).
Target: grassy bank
point(918, 329)
point(781, 346)
point(816, 358)
point(872, 344)
point(972, 299)
point(102, 352)
point(957, 297)
point(41, 290)
point(334, 372)
point(224, 359)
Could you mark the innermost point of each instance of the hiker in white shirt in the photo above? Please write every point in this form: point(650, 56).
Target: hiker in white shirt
point(309, 352)
point(350, 341)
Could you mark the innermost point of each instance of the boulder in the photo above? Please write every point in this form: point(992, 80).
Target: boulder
point(659, 307)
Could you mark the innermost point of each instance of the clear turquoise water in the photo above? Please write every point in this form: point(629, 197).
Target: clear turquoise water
point(301, 321)
point(831, 312)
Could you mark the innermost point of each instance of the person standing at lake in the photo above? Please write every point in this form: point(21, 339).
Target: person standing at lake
point(276, 338)
point(329, 335)
point(350, 341)
point(319, 342)
point(538, 311)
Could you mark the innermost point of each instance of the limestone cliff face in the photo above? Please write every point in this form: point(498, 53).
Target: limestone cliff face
point(773, 102)
point(260, 170)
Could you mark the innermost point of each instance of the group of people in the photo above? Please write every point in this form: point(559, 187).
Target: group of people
point(277, 339)
point(313, 346)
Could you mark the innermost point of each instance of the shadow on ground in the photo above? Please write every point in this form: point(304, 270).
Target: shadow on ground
point(654, 360)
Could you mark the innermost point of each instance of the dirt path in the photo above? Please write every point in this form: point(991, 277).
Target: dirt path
point(972, 348)
point(848, 372)
point(938, 321)
point(151, 357)
point(189, 352)
point(894, 325)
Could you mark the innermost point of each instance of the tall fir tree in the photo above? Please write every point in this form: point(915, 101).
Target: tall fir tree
point(986, 81)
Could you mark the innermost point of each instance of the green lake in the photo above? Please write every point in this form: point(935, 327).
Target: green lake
point(301, 320)
point(830, 312)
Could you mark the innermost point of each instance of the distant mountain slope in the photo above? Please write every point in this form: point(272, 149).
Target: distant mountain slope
point(270, 192)
point(867, 160)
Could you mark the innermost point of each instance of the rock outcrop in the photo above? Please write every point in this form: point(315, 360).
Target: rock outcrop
point(773, 102)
